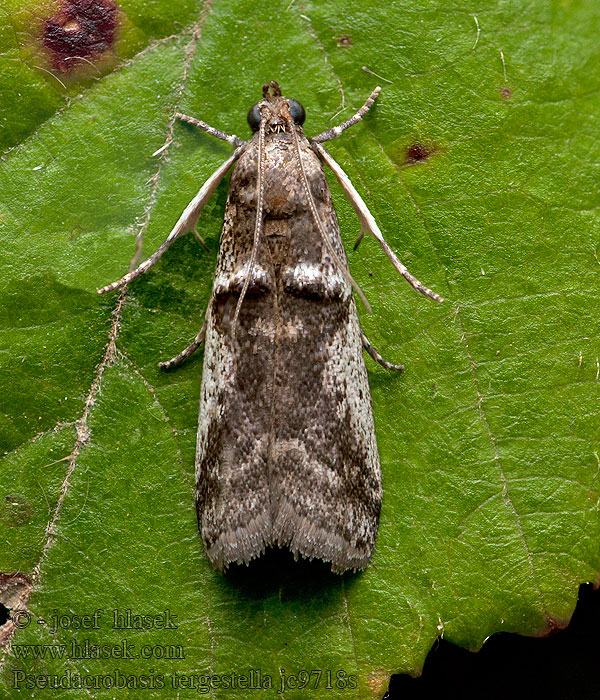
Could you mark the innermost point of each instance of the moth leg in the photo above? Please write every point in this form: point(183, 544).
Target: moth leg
point(368, 223)
point(184, 354)
point(230, 138)
point(198, 237)
point(376, 356)
point(337, 130)
point(186, 221)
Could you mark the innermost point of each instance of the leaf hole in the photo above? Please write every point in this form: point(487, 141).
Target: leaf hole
point(4, 614)
point(15, 589)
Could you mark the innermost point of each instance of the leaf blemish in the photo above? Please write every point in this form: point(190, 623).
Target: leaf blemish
point(418, 152)
point(14, 594)
point(506, 93)
point(16, 510)
point(80, 29)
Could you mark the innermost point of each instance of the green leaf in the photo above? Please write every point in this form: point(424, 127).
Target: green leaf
point(479, 162)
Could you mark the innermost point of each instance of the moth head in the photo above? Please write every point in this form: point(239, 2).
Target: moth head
point(278, 112)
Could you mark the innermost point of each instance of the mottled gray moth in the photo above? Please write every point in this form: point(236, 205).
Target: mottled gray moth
point(286, 452)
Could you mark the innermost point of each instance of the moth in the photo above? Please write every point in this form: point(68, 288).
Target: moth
point(286, 451)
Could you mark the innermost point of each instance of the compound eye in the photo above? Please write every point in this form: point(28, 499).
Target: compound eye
point(297, 112)
point(254, 117)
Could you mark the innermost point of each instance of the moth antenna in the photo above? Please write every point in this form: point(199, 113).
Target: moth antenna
point(260, 187)
point(313, 208)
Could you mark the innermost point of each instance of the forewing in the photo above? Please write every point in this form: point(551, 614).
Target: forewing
point(232, 483)
point(326, 482)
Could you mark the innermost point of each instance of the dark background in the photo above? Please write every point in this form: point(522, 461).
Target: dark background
point(562, 666)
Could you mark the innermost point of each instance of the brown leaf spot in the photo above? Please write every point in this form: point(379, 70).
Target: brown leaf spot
point(345, 40)
point(418, 152)
point(16, 510)
point(553, 625)
point(506, 93)
point(378, 682)
point(14, 594)
point(80, 29)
